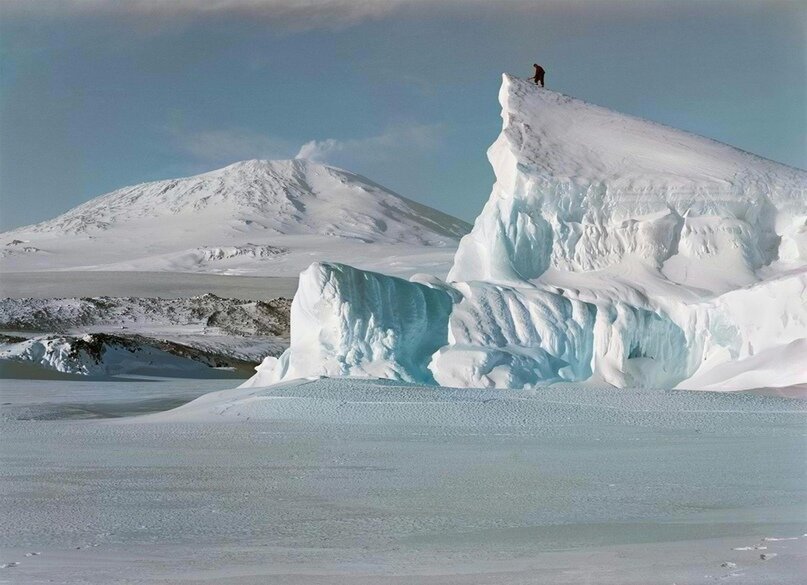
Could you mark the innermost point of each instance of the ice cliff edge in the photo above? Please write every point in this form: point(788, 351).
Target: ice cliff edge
point(611, 249)
point(579, 187)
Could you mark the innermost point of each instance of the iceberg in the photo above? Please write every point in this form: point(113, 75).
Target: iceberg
point(581, 188)
point(612, 250)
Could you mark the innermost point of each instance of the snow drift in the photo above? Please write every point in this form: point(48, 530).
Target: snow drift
point(612, 249)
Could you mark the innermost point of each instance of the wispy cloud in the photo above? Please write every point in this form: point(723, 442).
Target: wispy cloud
point(229, 145)
point(301, 15)
point(399, 142)
point(293, 14)
point(223, 146)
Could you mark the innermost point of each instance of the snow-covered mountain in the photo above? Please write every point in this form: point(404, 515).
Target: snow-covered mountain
point(612, 249)
point(253, 217)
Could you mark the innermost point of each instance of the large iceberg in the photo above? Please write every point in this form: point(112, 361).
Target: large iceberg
point(612, 249)
point(581, 188)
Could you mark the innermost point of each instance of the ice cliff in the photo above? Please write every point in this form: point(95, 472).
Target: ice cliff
point(580, 188)
point(611, 249)
point(349, 322)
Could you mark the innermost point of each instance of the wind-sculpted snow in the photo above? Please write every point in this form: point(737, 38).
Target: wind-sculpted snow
point(750, 338)
point(612, 249)
point(348, 322)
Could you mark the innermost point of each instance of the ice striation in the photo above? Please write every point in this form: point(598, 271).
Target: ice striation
point(500, 336)
point(612, 249)
point(349, 322)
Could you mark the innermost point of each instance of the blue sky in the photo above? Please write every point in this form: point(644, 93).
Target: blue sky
point(99, 94)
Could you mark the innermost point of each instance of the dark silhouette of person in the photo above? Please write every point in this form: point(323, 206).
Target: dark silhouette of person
point(539, 74)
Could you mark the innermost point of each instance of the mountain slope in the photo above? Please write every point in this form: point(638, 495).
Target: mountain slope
point(253, 217)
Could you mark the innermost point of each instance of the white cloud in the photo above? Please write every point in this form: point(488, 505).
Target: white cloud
point(399, 142)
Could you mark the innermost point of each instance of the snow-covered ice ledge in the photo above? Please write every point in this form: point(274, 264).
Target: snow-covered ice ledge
point(612, 249)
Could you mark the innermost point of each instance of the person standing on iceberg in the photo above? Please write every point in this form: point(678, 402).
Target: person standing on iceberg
point(539, 74)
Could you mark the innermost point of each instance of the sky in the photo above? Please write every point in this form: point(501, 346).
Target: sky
point(100, 94)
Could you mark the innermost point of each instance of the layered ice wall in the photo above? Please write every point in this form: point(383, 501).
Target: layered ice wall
point(611, 249)
point(500, 336)
point(350, 322)
point(508, 337)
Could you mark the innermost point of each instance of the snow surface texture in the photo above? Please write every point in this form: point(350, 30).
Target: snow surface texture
point(612, 249)
point(257, 217)
point(365, 482)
